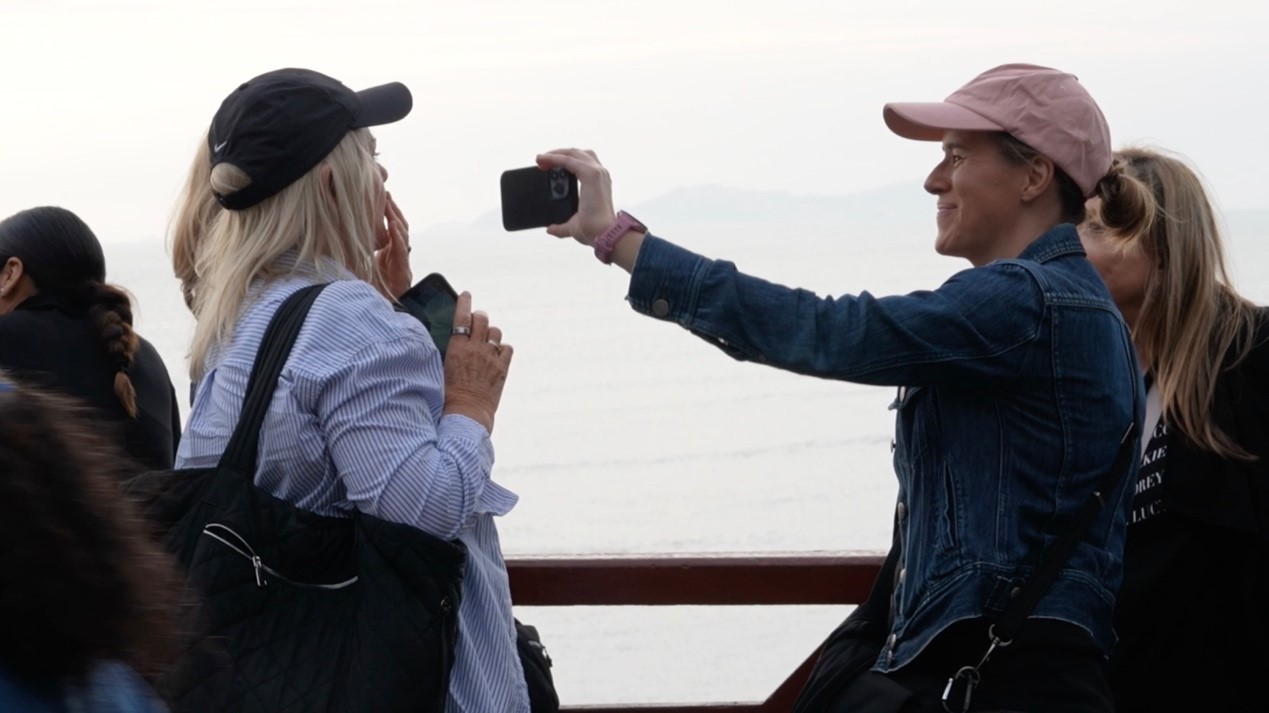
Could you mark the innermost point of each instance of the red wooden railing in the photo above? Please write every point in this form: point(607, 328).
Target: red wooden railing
point(647, 580)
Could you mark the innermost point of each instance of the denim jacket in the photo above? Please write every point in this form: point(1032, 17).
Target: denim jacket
point(1017, 382)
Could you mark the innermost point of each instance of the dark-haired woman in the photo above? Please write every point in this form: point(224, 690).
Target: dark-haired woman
point(86, 600)
point(62, 327)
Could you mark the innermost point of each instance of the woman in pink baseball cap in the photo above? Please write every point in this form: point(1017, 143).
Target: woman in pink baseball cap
point(1019, 401)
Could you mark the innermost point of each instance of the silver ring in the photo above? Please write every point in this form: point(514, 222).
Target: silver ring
point(465, 331)
point(494, 344)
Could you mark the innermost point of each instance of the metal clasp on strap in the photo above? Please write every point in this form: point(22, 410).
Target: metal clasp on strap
point(960, 688)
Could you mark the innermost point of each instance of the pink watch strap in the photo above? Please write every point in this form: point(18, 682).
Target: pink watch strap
point(607, 241)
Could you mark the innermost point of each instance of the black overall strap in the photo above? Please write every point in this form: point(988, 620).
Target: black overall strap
point(1020, 607)
point(959, 691)
point(241, 453)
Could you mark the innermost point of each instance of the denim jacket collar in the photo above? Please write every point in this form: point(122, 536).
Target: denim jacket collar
point(1059, 240)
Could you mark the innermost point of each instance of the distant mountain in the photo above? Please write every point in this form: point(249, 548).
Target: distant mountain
point(899, 204)
point(900, 207)
point(902, 213)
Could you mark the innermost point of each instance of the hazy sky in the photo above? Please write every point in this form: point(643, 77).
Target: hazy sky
point(104, 100)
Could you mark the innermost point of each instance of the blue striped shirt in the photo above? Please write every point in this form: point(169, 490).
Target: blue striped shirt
point(356, 422)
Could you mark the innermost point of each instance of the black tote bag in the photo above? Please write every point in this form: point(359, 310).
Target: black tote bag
point(293, 611)
point(841, 680)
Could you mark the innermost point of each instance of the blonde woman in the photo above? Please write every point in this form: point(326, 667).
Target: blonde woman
point(1197, 562)
point(365, 417)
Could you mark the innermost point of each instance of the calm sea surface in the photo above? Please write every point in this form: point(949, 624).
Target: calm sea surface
point(626, 435)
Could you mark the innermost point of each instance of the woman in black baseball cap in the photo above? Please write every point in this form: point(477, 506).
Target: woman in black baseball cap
point(366, 416)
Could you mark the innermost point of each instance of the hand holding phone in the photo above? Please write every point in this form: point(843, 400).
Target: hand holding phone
point(595, 212)
point(432, 301)
point(535, 198)
point(476, 365)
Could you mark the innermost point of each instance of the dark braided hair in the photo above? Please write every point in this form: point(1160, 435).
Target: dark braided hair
point(64, 259)
point(111, 310)
point(81, 580)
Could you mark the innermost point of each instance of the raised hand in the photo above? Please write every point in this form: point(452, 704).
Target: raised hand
point(476, 365)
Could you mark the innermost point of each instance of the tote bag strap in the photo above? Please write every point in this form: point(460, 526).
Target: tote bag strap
point(241, 453)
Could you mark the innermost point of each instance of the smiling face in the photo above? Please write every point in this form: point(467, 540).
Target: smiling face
point(978, 192)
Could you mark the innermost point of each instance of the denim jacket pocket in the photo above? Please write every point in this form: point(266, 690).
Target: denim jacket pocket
point(911, 439)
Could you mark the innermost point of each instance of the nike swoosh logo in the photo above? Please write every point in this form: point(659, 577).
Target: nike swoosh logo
point(219, 146)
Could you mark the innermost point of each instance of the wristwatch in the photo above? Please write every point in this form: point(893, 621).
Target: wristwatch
point(607, 241)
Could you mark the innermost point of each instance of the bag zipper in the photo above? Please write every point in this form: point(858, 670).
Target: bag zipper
point(260, 567)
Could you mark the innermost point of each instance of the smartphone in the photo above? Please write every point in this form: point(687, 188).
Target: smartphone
point(535, 198)
point(432, 301)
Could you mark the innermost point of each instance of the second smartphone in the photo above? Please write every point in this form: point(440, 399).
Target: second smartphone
point(432, 301)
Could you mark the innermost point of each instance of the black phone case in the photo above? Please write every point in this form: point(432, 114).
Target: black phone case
point(421, 301)
point(533, 198)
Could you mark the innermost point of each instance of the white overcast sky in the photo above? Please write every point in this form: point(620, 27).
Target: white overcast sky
point(104, 100)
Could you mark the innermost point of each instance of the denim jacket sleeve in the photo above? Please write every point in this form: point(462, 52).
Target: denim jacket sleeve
point(972, 329)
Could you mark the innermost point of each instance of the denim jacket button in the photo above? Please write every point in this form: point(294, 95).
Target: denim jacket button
point(660, 308)
point(901, 511)
point(903, 574)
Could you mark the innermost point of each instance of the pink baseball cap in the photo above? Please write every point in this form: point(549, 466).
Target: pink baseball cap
point(1044, 108)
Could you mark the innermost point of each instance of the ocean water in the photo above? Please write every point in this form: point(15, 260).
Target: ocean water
point(627, 435)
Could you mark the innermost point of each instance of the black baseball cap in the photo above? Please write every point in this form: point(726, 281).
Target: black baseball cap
point(279, 125)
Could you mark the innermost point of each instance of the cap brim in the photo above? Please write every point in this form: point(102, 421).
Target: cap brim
point(926, 121)
point(383, 104)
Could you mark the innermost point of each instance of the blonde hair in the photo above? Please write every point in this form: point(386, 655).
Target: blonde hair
point(1193, 324)
point(191, 219)
point(325, 217)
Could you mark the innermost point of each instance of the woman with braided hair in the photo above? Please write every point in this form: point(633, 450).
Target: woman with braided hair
point(62, 327)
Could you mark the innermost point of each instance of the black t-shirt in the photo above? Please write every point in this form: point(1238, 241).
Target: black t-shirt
point(1192, 609)
point(1156, 537)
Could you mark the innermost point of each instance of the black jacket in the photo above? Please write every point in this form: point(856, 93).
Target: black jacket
point(50, 345)
point(1193, 613)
